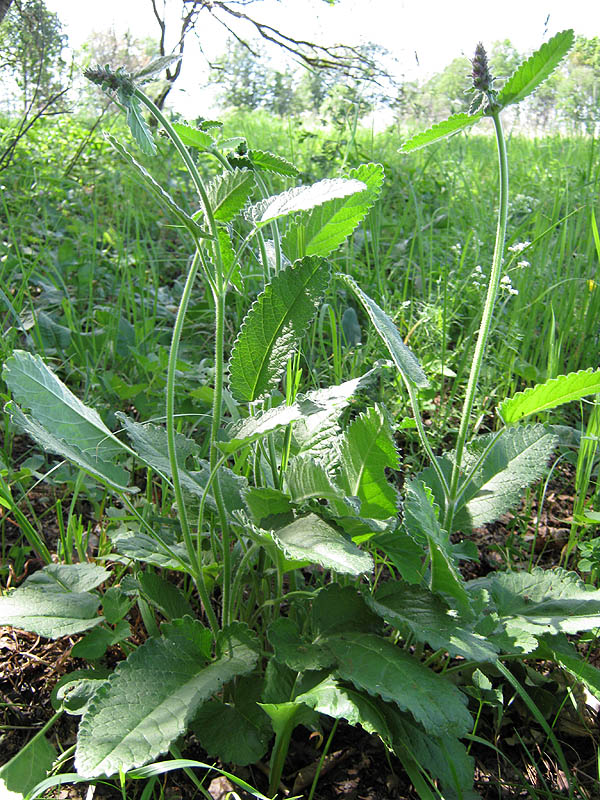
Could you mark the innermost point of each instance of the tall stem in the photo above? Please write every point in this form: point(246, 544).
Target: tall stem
point(486, 320)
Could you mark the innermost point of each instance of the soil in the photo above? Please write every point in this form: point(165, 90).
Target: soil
point(358, 766)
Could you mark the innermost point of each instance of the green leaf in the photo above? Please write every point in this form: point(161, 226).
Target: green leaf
point(269, 162)
point(266, 505)
point(193, 137)
point(95, 643)
point(49, 613)
point(427, 617)
point(214, 725)
point(68, 577)
point(441, 130)
point(155, 67)
point(341, 609)
point(149, 699)
point(311, 539)
point(367, 449)
point(323, 229)
point(542, 601)
point(163, 197)
point(273, 327)
point(554, 392)
point(536, 69)
point(514, 460)
point(560, 650)
point(301, 198)
point(60, 422)
point(307, 479)
point(403, 358)
point(27, 768)
point(406, 555)
point(228, 193)
point(141, 547)
point(138, 126)
point(421, 522)
point(381, 668)
point(73, 691)
point(163, 594)
point(296, 651)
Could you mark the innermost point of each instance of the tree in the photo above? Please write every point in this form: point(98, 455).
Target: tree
point(243, 75)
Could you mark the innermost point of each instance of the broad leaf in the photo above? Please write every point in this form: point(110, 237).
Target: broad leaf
point(311, 539)
point(293, 649)
point(214, 725)
point(441, 130)
point(49, 613)
point(150, 698)
point(268, 506)
point(429, 619)
point(27, 768)
point(60, 421)
point(367, 449)
point(138, 125)
point(322, 230)
point(554, 392)
point(307, 479)
point(406, 554)
point(163, 197)
point(381, 668)
point(141, 547)
point(269, 162)
point(68, 577)
point(248, 430)
point(513, 461)
point(193, 137)
point(421, 522)
point(403, 358)
point(164, 595)
point(228, 193)
point(542, 601)
point(536, 69)
point(341, 609)
point(302, 198)
point(273, 327)
point(561, 651)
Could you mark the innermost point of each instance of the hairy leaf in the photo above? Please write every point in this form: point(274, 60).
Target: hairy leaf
point(193, 137)
point(323, 229)
point(269, 162)
point(138, 126)
point(381, 668)
point(427, 617)
point(302, 198)
point(536, 69)
point(403, 358)
point(214, 725)
point(141, 547)
point(311, 539)
point(163, 197)
point(554, 392)
point(228, 193)
point(441, 130)
point(341, 609)
point(293, 649)
point(273, 327)
point(68, 577)
point(155, 67)
point(248, 430)
point(149, 699)
point(307, 479)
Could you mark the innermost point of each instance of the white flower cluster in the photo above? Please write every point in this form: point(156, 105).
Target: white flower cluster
point(506, 285)
point(456, 248)
point(479, 277)
point(518, 247)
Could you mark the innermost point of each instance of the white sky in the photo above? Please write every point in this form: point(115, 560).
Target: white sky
point(436, 30)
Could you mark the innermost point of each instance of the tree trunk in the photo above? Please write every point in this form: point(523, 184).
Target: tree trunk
point(4, 6)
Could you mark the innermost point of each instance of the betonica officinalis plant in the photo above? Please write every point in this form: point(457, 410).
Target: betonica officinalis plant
point(282, 614)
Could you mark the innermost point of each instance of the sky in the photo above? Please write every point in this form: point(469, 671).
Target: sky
point(422, 36)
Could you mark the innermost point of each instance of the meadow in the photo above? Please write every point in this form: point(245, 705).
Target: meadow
point(241, 448)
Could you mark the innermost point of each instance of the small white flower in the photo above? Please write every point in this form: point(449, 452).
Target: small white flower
point(457, 248)
point(518, 247)
point(513, 291)
point(523, 264)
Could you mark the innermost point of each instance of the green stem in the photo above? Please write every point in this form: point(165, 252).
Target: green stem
point(486, 321)
point(414, 402)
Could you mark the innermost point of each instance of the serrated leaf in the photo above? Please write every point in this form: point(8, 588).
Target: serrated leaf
point(269, 162)
point(193, 137)
point(155, 67)
point(322, 230)
point(60, 422)
point(381, 668)
point(306, 479)
point(311, 539)
point(429, 619)
point(49, 613)
point(248, 430)
point(214, 724)
point(403, 358)
point(341, 609)
point(229, 192)
point(158, 191)
point(273, 327)
point(406, 555)
point(554, 392)
point(139, 127)
point(141, 547)
point(441, 130)
point(536, 69)
point(367, 449)
point(149, 699)
point(27, 768)
point(301, 198)
point(295, 650)
point(421, 522)
point(266, 504)
point(68, 577)
point(542, 601)
point(517, 458)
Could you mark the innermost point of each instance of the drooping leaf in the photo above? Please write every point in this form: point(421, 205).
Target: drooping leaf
point(293, 649)
point(341, 609)
point(441, 130)
point(49, 613)
point(403, 358)
point(149, 699)
point(421, 522)
point(554, 392)
point(381, 668)
point(214, 724)
point(560, 650)
point(429, 619)
point(267, 505)
point(273, 327)
point(229, 192)
point(60, 421)
point(307, 479)
point(536, 69)
point(163, 197)
point(311, 539)
point(514, 460)
point(27, 768)
point(542, 601)
point(302, 198)
point(324, 228)
point(367, 449)
point(193, 137)
point(138, 125)
point(68, 577)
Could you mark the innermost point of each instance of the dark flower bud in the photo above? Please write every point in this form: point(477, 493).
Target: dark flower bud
point(482, 77)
